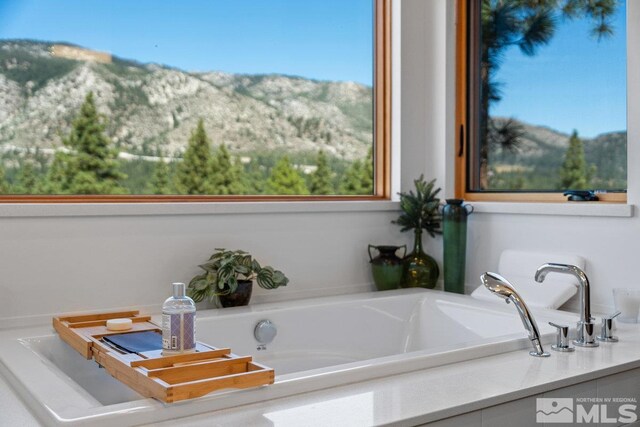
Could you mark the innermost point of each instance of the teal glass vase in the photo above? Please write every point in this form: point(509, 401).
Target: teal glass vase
point(454, 230)
point(420, 270)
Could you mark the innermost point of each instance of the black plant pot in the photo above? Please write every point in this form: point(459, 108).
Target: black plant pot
point(240, 297)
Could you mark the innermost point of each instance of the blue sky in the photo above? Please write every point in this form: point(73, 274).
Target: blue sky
point(321, 39)
point(575, 82)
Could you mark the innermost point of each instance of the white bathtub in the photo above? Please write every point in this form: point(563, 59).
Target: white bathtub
point(320, 343)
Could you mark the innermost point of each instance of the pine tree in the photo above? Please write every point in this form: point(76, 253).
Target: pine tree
point(27, 179)
point(352, 181)
point(321, 180)
point(160, 182)
point(255, 177)
point(194, 172)
point(56, 181)
point(91, 166)
point(285, 180)
point(358, 179)
point(226, 176)
point(4, 185)
point(367, 174)
point(575, 173)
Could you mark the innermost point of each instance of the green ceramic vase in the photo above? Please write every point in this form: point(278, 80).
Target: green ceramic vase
point(387, 266)
point(454, 230)
point(420, 270)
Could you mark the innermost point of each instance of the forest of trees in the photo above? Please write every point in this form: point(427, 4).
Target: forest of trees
point(89, 164)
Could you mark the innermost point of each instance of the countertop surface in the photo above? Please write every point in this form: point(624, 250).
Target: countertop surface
point(412, 398)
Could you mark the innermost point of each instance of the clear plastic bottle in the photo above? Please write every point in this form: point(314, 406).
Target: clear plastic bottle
point(178, 322)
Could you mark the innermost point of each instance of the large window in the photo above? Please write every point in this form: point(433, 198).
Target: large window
point(542, 99)
point(149, 100)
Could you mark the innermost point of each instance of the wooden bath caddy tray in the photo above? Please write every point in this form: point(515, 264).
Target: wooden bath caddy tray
point(167, 378)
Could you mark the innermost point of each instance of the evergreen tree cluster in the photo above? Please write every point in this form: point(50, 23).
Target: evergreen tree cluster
point(570, 168)
point(202, 172)
point(89, 164)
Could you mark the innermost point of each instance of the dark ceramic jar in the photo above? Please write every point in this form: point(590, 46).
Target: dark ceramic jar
point(387, 266)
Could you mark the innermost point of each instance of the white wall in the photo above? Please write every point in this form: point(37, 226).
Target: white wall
point(61, 264)
point(426, 114)
point(67, 263)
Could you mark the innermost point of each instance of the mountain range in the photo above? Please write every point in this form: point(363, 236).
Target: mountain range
point(153, 108)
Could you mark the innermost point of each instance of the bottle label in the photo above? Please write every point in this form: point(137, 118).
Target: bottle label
point(189, 336)
point(179, 331)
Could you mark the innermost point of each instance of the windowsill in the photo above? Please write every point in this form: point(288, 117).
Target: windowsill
point(9, 210)
point(621, 210)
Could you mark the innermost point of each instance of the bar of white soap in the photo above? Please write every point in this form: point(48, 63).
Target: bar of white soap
point(119, 324)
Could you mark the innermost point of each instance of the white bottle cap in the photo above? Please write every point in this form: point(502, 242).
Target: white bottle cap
point(179, 290)
point(119, 324)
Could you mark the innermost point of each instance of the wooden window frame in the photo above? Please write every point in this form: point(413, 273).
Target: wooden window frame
point(464, 42)
point(381, 137)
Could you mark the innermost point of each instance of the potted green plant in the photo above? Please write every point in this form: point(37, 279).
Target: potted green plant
point(420, 211)
point(229, 275)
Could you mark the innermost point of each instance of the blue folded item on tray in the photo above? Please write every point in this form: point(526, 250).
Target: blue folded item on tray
point(136, 342)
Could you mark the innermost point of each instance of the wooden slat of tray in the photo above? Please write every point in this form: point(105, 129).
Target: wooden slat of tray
point(99, 316)
point(253, 378)
point(167, 361)
point(214, 368)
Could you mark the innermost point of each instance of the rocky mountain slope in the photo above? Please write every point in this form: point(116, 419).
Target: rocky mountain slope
point(151, 107)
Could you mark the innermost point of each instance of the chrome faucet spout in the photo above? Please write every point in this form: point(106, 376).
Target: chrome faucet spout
point(586, 329)
point(501, 287)
point(585, 299)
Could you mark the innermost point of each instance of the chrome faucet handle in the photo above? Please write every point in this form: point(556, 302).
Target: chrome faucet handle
point(586, 334)
point(563, 344)
point(606, 333)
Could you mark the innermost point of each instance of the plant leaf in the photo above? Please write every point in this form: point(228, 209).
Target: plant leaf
point(279, 279)
point(420, 209)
